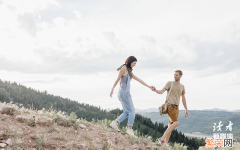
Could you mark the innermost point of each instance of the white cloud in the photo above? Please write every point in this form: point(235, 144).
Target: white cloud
point(28, 22)
point(148, 39)
point(29, 6)
point(51, 38)
point(78, 14)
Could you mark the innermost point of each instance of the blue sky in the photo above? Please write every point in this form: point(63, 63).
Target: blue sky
point(73, 48)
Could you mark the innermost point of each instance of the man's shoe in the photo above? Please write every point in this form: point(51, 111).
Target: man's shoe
point(161, 141)
point(114, 125)
point(130, 132)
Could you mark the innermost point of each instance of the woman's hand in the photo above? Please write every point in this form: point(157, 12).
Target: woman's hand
point(152, 88)
point(111, 93)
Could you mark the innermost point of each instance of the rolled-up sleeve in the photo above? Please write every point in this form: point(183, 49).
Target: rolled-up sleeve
point(183, 92)
point(167, 86)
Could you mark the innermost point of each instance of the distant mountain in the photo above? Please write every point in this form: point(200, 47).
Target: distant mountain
point(214, 109)
point(147, 110)
point(217, 109)
point(200, 121)
point(238, 110)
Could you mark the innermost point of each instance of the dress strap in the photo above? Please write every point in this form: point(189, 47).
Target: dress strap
point(127, 69)
point(128, 82)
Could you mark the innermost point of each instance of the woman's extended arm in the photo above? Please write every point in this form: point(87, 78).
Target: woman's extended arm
point(142, 82)
point(121, 72)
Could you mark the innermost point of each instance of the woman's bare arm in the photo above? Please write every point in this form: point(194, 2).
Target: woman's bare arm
point(121, 72)
point(141, 81)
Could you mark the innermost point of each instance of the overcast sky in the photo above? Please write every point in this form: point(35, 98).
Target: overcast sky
point(73, 48)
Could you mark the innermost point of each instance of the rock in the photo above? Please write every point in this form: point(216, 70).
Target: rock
point(97, 140)
point(29, 119)
point(19, 132)
point(25, 127)
point(6, 116)
point(57, 129)
point(79, 145)
point(2, 145)
point(109, 142)
point(33, 136)
point(21, 118)
point(9, 142)
point(148, 147)
point(3, 141)
point(135, 146)
point(82, 126)
point(1, 135)
point(6, 109)
point(43, 121)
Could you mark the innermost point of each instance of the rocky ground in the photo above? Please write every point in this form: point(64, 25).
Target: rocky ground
point(27, 129)
point(22, 128)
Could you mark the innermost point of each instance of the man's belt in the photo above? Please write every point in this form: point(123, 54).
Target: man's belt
point(173, 105)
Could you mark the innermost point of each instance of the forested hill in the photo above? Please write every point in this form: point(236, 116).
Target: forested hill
point(32, 98)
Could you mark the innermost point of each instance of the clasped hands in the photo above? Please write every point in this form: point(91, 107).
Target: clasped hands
point(152, 88)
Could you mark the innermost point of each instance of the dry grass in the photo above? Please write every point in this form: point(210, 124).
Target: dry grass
point(58, 130)
point(41, 141)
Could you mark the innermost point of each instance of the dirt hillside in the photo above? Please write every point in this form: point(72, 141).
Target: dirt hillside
point(28, 129)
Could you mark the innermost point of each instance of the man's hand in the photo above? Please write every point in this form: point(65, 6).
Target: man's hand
point(186, 113)
point(152, 88)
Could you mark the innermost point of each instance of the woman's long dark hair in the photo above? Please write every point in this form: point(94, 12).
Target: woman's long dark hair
point(128, 63)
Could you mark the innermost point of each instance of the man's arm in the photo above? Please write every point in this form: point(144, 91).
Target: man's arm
point(166, 87)
point(160, 91)
point(185, 104)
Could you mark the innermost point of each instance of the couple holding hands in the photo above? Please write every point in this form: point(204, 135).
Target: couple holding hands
point(124, 96)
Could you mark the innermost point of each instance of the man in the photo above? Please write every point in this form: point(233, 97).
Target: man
point(173, 104)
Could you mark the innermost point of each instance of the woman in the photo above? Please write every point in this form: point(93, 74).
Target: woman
point(125, 75)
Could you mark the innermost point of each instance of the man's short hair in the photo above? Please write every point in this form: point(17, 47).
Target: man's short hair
point(180, 72)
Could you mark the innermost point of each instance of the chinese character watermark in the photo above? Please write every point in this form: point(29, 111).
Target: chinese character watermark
point(220, 139)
